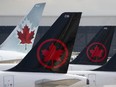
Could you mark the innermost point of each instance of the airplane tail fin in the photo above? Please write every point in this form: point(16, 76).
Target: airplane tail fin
point(109, 66)
point(53, 51)
point(96, 52)
point(22, 37)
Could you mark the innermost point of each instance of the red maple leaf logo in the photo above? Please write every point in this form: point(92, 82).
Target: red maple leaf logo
point(52, 54)
point(96, 52)
point(25, 36)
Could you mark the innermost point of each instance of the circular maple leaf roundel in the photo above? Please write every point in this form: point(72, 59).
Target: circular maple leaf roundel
point(52, 53)
point(96, 52)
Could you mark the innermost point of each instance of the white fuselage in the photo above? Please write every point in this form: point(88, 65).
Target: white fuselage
point(10, 55)
point(98, 78)
point(24, 79)
point(6, 66)
point(9, 59)
point(80, 67)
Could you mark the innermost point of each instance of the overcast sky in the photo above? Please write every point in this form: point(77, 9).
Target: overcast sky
point(56, 7)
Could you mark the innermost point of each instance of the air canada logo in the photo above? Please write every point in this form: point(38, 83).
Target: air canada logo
point(96, 52)
point(52, 53)
point(25, 35)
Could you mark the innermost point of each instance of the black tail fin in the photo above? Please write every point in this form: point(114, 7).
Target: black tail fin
point(96, 52)
point(109, 66)
point(52, 53)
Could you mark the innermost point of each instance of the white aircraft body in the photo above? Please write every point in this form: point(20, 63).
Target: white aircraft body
point(104, 76)
point(6, 66)
point(21, 40)
point(19, 79)
point(80, 67)
point(97, 79)
point(10, 56)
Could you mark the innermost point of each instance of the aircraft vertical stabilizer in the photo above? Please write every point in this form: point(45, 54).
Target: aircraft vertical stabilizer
point(22, 37)
point(53, 51)
point(96, 52)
